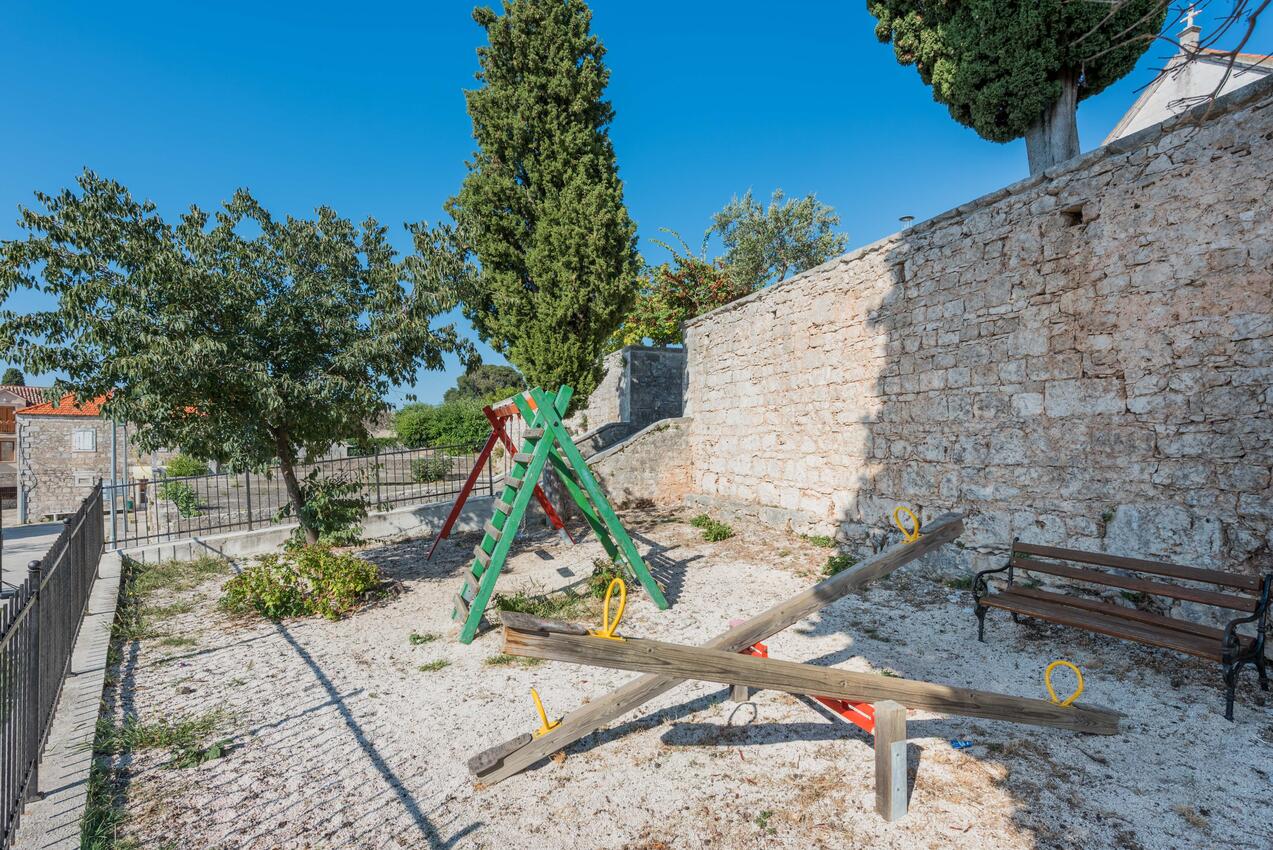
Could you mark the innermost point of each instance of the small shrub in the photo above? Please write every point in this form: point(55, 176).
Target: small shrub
point(434, 666)
point(713, 531)
point(334, 507)
point(184, 466)
point(838, 564)
point(460, 424)
point(195, 756)
point(307, 581)
point(182, 495)
point(820, 540)
point(604, 572)
point(425, 470)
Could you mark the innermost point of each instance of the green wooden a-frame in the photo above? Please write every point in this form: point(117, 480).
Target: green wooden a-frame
point(546, 442)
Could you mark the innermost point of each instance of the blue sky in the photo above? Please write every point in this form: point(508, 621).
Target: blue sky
point(308, 104)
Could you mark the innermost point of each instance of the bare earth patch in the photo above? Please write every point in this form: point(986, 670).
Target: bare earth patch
point(354, 734)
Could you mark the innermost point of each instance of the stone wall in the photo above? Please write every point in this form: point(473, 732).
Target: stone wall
point(1084, 357)
point(54, 477)
point(642, 384)
point(652, 464)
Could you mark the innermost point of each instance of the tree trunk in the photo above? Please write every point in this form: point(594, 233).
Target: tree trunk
point(1055, 137)
point(294, 496)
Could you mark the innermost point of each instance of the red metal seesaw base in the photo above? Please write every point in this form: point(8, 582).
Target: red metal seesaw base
point(859, 713)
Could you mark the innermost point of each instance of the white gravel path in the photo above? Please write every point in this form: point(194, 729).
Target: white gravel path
point(340, 741)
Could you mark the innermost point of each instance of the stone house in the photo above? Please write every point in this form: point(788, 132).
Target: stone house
point(13, 397)
point(1192, 74)
point(63, 449)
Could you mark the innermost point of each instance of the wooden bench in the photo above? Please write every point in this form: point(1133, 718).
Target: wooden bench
point(1248, 595)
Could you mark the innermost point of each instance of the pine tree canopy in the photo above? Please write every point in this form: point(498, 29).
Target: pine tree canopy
point(542, 207)
point(997, 64)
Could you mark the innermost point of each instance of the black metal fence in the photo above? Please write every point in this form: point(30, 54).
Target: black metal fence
point(169, 509)
point(39, 621)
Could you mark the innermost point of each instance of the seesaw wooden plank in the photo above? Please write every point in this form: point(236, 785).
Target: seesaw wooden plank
point(597, 714)
point(674, 660)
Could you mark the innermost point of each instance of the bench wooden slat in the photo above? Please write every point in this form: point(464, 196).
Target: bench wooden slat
point(1115, 610)
point(1154, 588)
point(1250, 584)
point(1113, 626)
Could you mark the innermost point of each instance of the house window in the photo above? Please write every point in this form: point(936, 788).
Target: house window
point(84, 440)
point(6, 450)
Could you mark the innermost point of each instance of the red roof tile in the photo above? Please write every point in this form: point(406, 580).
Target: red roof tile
point(66, 406)
point(31, 395)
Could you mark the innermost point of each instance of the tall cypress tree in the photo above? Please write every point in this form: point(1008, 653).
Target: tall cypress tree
point(542, 205)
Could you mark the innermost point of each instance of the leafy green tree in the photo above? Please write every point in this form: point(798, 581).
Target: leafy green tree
point(481, 381)
point(763, 244)
point(13, 377)
point(542, 205)
point(1013, 68)
point(674, 292)
point(238, 337)
point(453, 424)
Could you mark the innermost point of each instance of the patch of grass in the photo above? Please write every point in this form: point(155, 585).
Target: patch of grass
point(434, 666)
point(163, 612)
point(713, 531)
point(889, 674)
point(762, 821)
point(415, 638)
point(564, 605)
point(178, 575)
point(819, 540)
point(103, 812)
point(505, 660)
point(178, 641)
point(838, 564)
point(958, 582)
point(132, 734)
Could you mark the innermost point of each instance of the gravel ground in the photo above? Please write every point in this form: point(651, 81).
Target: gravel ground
point(340, 740)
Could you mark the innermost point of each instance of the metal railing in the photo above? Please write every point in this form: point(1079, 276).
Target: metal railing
point(168, 509)
point(39, 622)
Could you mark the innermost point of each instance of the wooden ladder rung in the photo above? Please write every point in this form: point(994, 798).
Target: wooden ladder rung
point(461, 606)
point(515, 483)
point(503, 507)
point(523, 457)
point(471, 584)
point(533, 433)
point(490, 529)
point(480, 554)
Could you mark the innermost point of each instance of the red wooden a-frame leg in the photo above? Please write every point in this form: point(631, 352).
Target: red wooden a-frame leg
point(497, 428)
point(482, 457)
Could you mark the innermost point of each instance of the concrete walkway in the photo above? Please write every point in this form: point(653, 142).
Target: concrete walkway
point(23, 544)
point(53, 823)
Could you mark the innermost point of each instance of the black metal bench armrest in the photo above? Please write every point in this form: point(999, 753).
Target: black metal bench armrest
point(979, 586)
point(1259, 615)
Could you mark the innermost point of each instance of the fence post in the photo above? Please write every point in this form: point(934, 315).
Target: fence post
point(376, 465)
point(35, 727)
point(247, 484)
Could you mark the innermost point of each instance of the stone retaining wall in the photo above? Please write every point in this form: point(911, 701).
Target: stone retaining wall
point(1082, 358)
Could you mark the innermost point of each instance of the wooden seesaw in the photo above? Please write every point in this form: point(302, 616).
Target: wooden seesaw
point(667, 664)
point(513, 756)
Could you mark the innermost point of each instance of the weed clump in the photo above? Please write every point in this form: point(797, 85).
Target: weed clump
point(312, 580)
point(713, 531)
point(838, 564)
